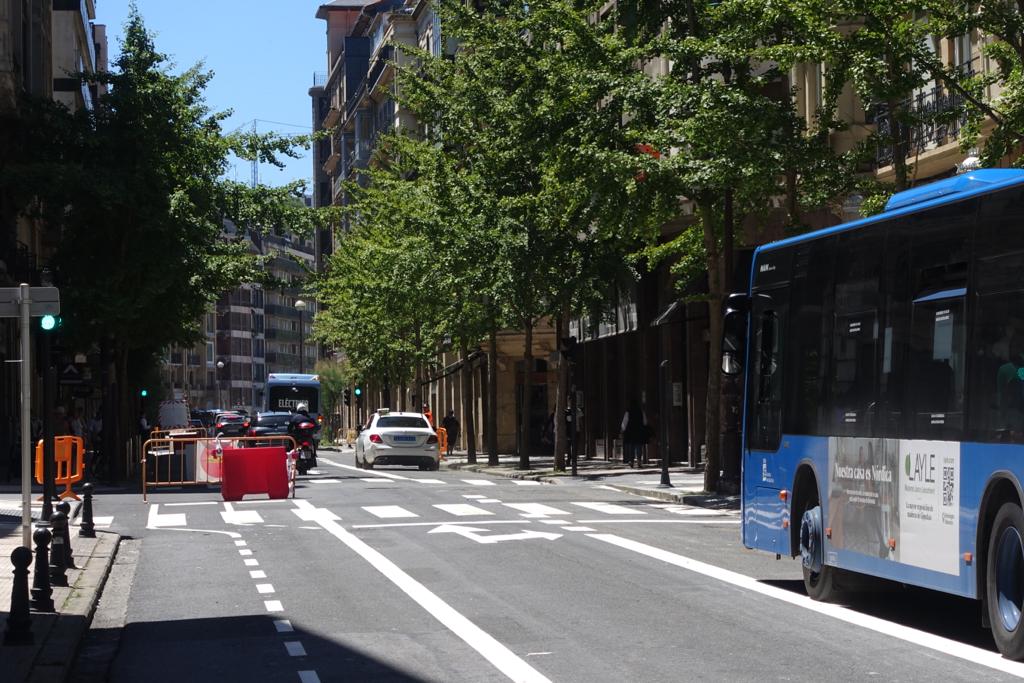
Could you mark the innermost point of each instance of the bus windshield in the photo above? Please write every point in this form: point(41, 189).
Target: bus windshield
point(287, 397)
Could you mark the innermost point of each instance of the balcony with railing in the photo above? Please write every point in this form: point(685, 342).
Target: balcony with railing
point(930, 119)
point(319, 79)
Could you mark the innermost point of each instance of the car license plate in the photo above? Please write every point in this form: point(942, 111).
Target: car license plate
point(404, 437)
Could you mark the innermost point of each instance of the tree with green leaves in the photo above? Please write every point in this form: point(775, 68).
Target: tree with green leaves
point(142, 255)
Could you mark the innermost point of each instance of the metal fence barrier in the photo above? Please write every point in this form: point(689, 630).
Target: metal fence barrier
point(176, 461)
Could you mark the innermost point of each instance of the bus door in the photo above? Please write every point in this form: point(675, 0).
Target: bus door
point(762, 478)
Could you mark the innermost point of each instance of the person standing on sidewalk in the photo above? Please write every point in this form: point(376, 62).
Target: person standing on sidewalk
point(429, 415)
point(451, 425)
point(634, 433)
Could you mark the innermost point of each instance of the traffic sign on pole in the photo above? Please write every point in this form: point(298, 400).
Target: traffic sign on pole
point(44, 301)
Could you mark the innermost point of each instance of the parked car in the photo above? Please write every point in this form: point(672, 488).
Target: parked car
point(397, 439)
point(231, 424)
point(270, 424)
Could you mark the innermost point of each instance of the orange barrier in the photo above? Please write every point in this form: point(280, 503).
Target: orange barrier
point(69, 461)
point(198, 461)
point(442, 442)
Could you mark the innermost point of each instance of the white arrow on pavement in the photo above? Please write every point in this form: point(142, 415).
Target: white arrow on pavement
point(473, 533)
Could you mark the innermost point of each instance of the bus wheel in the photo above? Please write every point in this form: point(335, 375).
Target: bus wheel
point(1004, 590)
point(819, 578)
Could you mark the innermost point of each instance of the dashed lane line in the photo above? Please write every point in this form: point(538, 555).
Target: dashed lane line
point(294, 648)
point(479, 482)
point(462, 510)
point(610, 508)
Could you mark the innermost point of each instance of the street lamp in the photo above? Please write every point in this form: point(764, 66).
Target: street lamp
point(220, 381)
point(300, 306)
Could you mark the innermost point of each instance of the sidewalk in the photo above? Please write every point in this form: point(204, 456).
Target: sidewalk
point(687, 483)
point(57, 636)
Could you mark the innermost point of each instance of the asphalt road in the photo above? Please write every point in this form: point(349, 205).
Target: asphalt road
point(400, 575)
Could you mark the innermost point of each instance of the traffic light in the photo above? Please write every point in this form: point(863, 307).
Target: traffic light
point(144, 393)
point(348, 396)
point(49, 322)
point(359, 396)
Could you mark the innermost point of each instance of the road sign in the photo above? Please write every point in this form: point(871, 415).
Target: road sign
point(474, 534)
point(70, 374)
point(45, 301)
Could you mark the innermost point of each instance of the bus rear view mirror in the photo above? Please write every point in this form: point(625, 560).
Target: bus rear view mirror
point(734, 333)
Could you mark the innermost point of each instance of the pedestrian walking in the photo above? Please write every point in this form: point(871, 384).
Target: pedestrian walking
point(451, 425)
point(634, 434)
point(429, 415)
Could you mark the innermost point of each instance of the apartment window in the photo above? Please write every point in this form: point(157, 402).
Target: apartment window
point(963, 51)
point(209, 352)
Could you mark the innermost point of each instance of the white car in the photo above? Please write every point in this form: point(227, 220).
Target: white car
point(397, 439)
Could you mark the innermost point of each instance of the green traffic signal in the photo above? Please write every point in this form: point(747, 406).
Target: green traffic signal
point(49, 322)
point(144, 393)
point(358, 392)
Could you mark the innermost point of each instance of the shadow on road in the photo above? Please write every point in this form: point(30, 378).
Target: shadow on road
point(244, 648)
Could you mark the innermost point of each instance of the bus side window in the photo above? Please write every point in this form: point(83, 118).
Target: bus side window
point(766, 406)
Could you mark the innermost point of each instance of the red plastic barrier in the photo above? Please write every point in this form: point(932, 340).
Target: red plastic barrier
point(254, 470)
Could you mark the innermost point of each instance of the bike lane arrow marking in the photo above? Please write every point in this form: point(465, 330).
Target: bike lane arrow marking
point(473, 533)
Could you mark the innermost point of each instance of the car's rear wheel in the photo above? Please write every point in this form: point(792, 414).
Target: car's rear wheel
point(367, 464)
point(359, 463)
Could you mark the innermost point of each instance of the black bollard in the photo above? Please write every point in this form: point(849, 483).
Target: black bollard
point(58, 558)
point(19, 626)
point(42, 593)
point(69, 559)
point(88, 529)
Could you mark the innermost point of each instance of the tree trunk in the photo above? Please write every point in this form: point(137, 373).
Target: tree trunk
point(524, 417)
point(899, 149)
point(468, 417)
point(712, 464)
point(125, 426)
point(561, 397)
point(492, 397)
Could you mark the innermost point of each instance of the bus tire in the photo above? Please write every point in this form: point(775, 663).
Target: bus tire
point(1003, 588)
point(819, 578)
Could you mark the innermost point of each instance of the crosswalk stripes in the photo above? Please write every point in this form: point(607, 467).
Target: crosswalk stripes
point(462, 509)
point(611, 508)
point(525, 482)
point(536, 510)
point(389, 511)
point(479, 482)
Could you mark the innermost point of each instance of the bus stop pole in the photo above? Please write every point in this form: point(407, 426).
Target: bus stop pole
point(26, 417)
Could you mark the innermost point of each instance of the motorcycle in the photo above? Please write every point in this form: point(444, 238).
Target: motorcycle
point(305, 451)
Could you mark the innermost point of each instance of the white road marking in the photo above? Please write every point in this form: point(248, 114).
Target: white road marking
point(201, 502)
point(535, 510)
point(611, 508)
point(157, 521)
point(473, 495)
point(240, 517)
point(479, 482)
point(431, 481)
point(658, 521)
point(403, 524)
point(607, 488)
point(241, 543)
point(308, 677)
point(488, 500)
point(283, 626)
point(305, 511)
point(265, 588)
point(386, 475)
point(252, 563)
point(474, 534)
point(294, 648)
point(273, 605)
point(526, 482)
point(373, 480)
point(497, 654)
point(257, 574)
point(103, 522)
point(687, 510)
point(244, 552)
point(577, 528)
point(325, 481)
point(951, 647)
point(463, 510)
point(275, 526)
point(554, 522)
point(312, 528)
point(388, 511)
point(261, 501)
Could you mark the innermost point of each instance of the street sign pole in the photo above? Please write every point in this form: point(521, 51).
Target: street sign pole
point(25, 304)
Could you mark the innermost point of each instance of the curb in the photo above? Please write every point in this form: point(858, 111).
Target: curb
point(57, 654)
point(513, 474)
point(712, 501)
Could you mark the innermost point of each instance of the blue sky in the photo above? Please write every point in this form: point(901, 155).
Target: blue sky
point(263, 54)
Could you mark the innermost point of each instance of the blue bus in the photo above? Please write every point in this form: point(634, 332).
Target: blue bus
point(883, 428)
point(285, 391)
